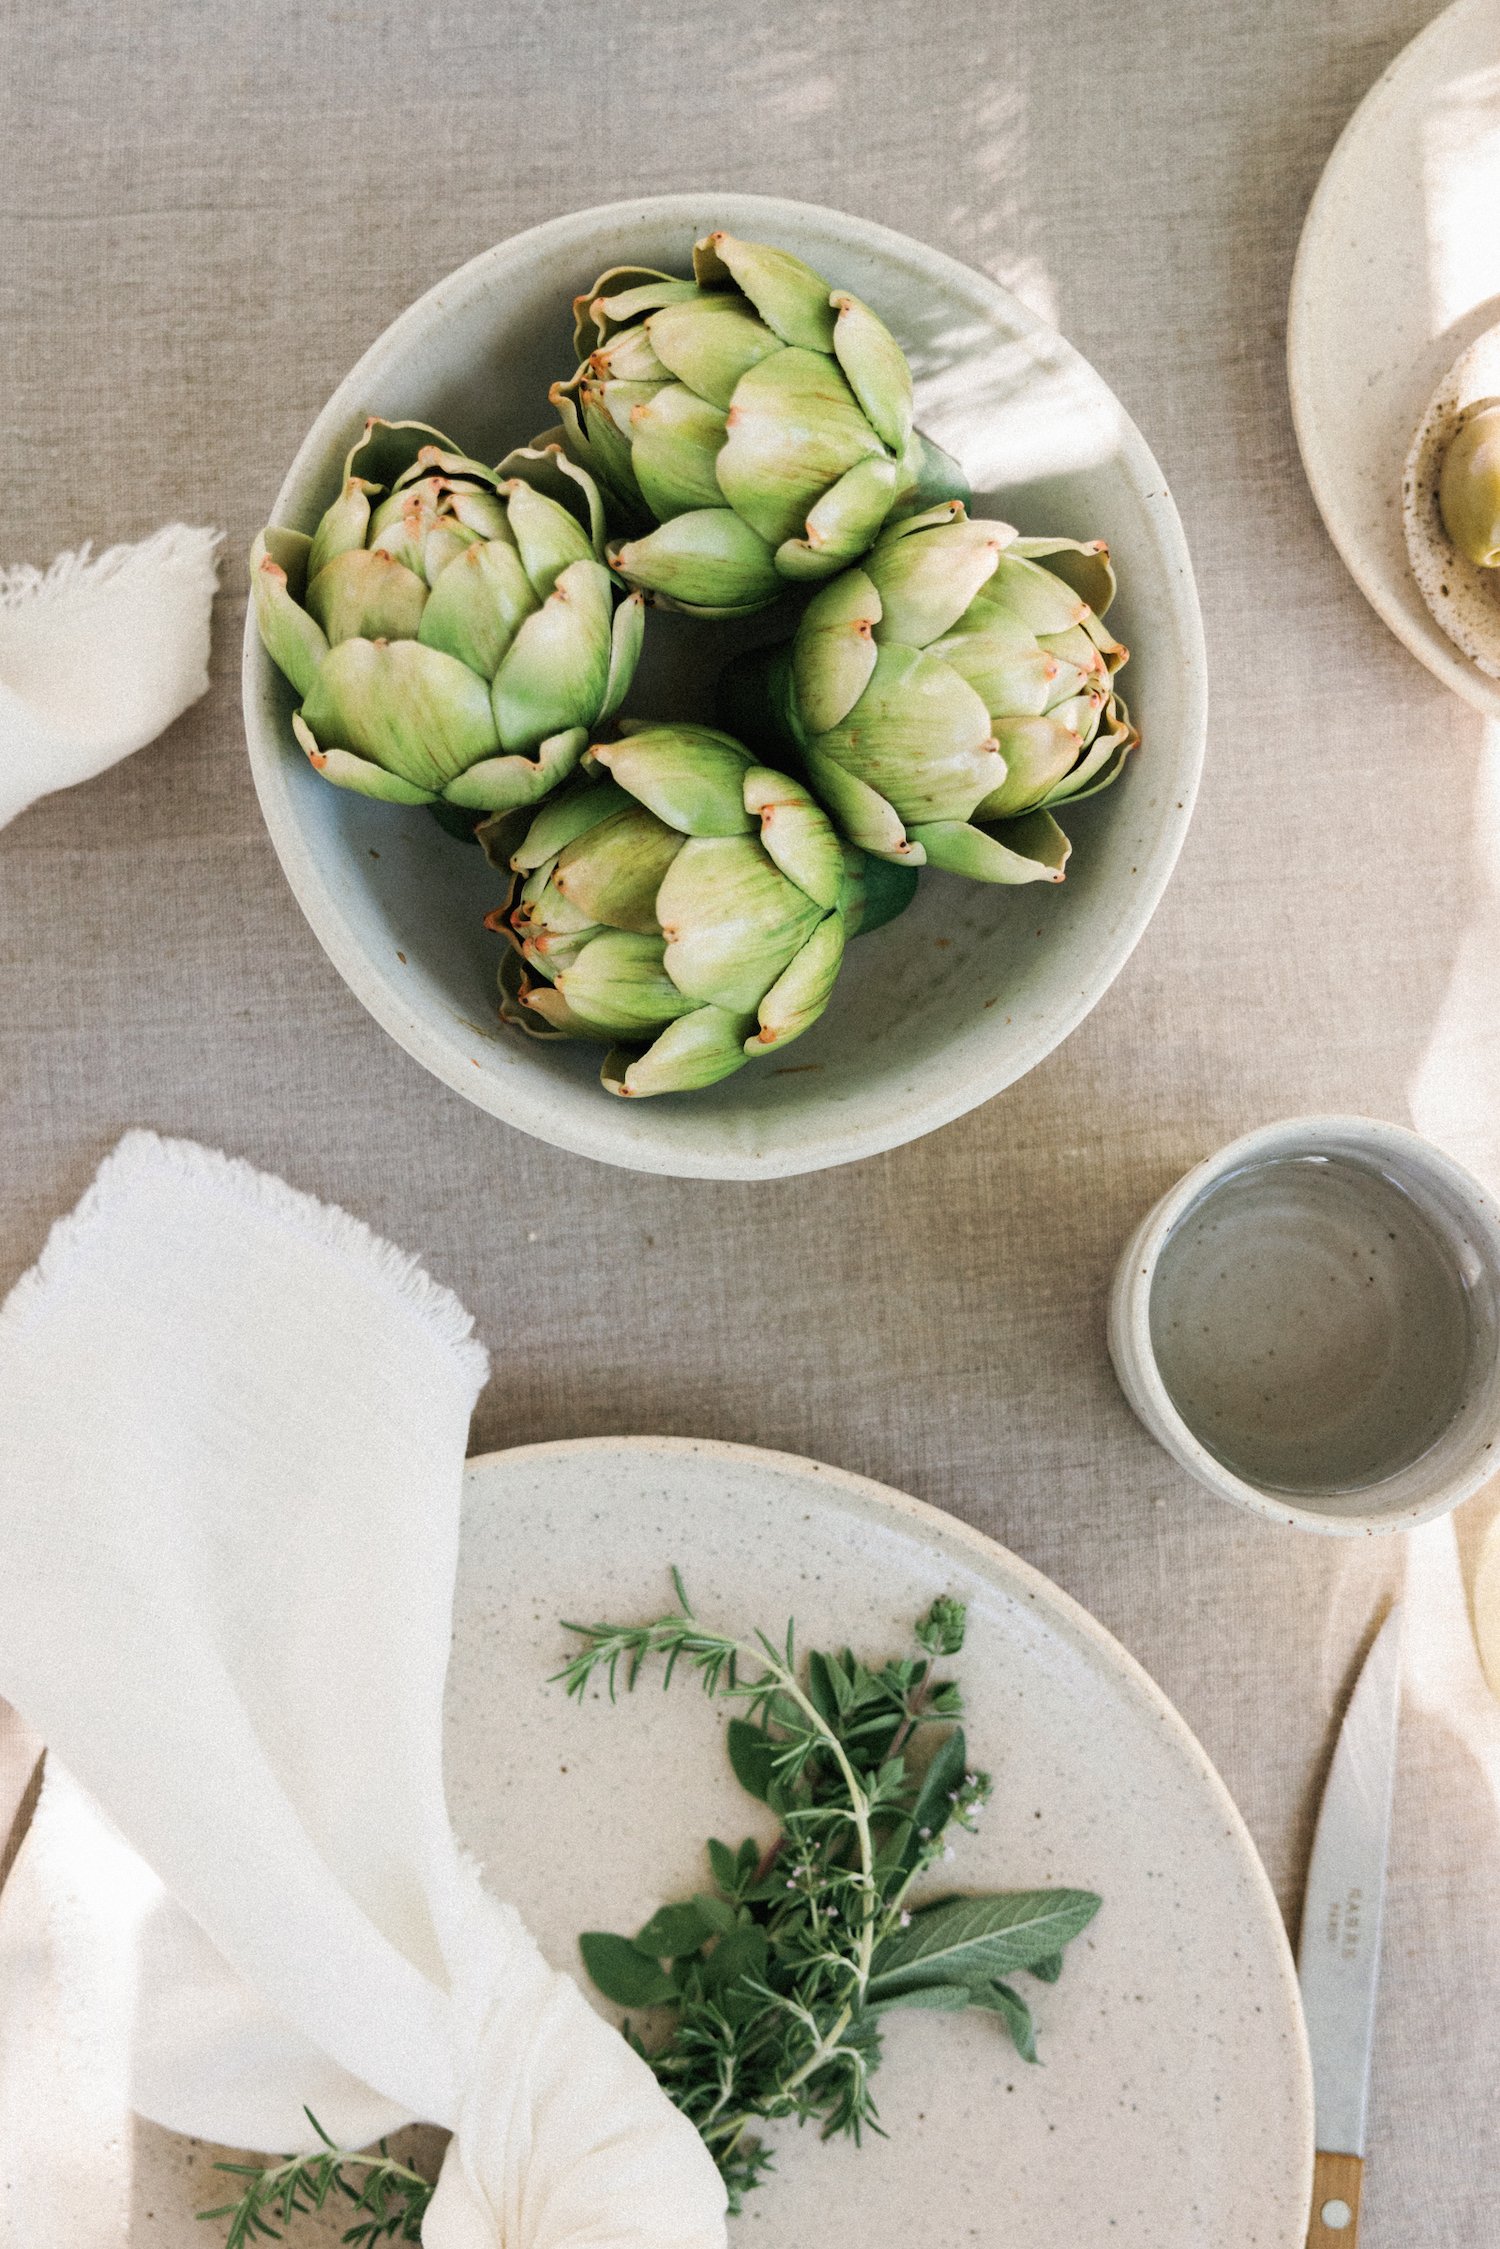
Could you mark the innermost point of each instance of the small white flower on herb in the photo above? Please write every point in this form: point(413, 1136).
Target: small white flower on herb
point(948, 1851)
point(925, 1833)
point(905, 1920)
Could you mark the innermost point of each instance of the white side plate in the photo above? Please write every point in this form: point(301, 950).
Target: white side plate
point(1398, 272)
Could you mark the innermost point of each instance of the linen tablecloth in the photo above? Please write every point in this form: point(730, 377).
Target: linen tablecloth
point(210, 211)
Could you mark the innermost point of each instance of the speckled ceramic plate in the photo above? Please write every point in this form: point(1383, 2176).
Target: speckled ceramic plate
point(1398, 272)
point(1173, 2109)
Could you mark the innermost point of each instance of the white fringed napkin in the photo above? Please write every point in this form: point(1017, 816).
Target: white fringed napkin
point(232, 1434)
point(98, 656)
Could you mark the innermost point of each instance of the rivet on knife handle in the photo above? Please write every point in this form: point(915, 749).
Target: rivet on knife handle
point(1335, 2202)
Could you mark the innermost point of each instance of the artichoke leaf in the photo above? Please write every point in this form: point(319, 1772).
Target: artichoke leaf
point(697, 1050)
point(1083, 564)
point(627, 635)
point(295, 642)
point(842, 523)
point(709, 340)
point(802, 990)
point(343, 526)
point(508, 783)
point(561, 818)
point(629, 357)
point(706, 561)
point(833, 654)
point(478, 605)
point(675, 439)
point(546, 468)
point(618, 986)
point(866, 817)
point(613, 873)
point(927, 583)
point(1033, 849)
point(876, 367)
point(920, 736)
point(363, 594)
point(788, 295)
point(548, 535)
point(1043, 603)
point(556, 672)
point(794, 427)
point(346, 771)
point(415, 711)
point(796, 834)
point(1039, 753)
point(731, 920)
point(621, 297)
point(690, 776)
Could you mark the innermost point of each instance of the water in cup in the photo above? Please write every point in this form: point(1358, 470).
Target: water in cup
point(1312, 1324)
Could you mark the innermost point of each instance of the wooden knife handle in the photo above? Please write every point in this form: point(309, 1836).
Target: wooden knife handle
point(1335, 2202)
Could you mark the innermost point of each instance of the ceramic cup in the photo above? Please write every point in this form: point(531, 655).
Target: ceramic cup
point(1309, 1322)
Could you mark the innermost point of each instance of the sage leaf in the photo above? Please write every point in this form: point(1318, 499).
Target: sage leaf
point(1048, 1970)
point(975, 1939)
point(950, 1997)
point(622, 1973)
point(1001, 2000)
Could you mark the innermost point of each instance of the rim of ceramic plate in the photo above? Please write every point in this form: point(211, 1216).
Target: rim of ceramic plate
point(619, 1133)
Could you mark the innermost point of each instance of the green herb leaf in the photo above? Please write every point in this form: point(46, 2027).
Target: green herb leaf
point(672, 1931)
point(1008, 2004)
point(623, 1973)
point(753, 1756)
point(1048, 1970)
point(941, 1631)
point(973, 1940)
point(934, 1807)
point(952, 1998)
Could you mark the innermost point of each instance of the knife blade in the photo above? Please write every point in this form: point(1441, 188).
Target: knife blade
point(1338, 1955)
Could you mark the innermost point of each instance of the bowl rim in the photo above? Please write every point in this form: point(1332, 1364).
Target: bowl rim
point(518, 1101)
point(1134, 1355)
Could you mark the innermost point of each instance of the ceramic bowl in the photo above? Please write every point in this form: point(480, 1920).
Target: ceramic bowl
point(973, 985)
point(1462, 1219)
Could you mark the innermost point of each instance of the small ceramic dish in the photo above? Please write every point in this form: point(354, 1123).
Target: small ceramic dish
point(973, 985)
point(1309, 1322)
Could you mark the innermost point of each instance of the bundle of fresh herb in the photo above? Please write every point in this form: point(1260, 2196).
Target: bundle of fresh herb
point(778, 1976)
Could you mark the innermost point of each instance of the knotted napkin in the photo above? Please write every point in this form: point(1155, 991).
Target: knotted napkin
point(98, 656)
point(232, 1436)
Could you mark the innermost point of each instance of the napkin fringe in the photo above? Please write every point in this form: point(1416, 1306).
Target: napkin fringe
point(143, 1155)
point(176, 547)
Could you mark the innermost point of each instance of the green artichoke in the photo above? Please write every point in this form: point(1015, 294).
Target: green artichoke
point(452, 630)
point(683, 902)
point(946, 695)
point(761, 419)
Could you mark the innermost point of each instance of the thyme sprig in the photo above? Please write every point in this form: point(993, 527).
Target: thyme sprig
point(392, 2197)
point(778, 1976)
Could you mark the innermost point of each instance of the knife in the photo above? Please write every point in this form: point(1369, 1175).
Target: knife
point(1338, 1957)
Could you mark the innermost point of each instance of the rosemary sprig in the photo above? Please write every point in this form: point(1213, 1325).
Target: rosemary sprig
point(392, 2197)
point(777, 1977)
